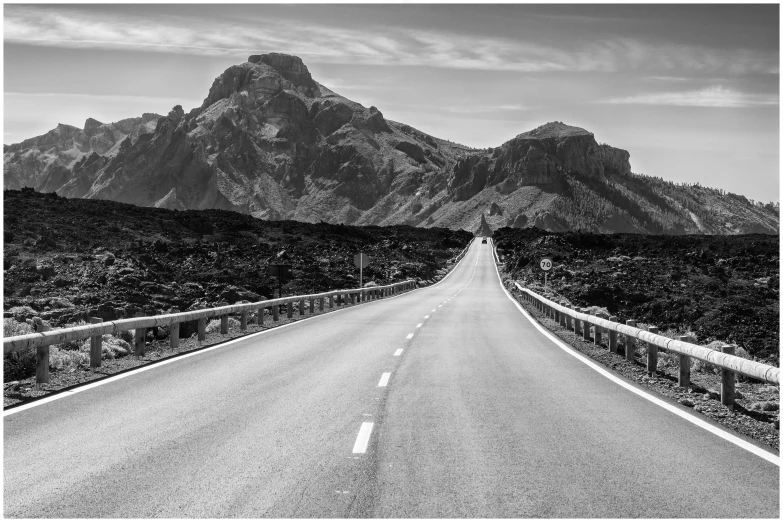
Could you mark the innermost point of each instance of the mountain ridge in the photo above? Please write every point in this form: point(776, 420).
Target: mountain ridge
point(270, 141)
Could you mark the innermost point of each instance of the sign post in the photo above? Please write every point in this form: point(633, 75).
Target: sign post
point(279, 271)
point(361, 260)
point(546, 266)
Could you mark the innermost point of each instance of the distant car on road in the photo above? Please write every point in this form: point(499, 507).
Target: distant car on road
point(483, 240)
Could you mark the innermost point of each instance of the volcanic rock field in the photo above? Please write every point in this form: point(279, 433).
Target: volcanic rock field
point(66, 260)
point(723, 288)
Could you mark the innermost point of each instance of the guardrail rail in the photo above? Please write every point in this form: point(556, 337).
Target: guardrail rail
point(576, 320)
point(42, 339)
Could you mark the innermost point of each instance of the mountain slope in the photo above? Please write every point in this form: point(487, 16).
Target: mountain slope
point(270, 141)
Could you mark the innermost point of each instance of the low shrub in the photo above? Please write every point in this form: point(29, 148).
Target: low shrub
point(12, 328)
point(60, 359)
point(17, 365)
point(214, 326)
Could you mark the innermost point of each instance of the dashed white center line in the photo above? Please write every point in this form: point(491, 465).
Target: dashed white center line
point(398, 352)
point(363, 438)
point(439, 306)
point(426, 316)
point(419, 325)
point(409, 336)
point(384, 379)
point(433, 310)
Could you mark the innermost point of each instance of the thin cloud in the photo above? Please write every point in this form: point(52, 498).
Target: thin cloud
point(52, 26)
point(486, 108)
point(715, 96)
point(666, 78)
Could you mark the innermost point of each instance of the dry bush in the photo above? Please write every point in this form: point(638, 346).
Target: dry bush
point(214, 326)
point(17, 365)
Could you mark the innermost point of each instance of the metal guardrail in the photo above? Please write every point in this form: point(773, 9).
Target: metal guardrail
point(723, 360)
point(38, 339)
point(43, 339)
point(462, 254)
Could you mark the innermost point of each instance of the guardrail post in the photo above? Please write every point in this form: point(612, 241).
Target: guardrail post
point(652, 354)
point(139, 338)
point(353, 297)
point(302, 308)
point(41, 359)
point(586, 326)
point(331, 302)
point(684, 375)
point(260, 319)
point(613, 336)
point(577, 322)
point(630, 342)
point(566, 319)
point(289, 307)
point(276, 313)
point(727, 380)
point(556, 314)
point(597, 335)
point(243, 320)
point(223, 320)
point(312, 305)
point(174, 332)
point(321, 304)
point(95, 346)
point(201, 329)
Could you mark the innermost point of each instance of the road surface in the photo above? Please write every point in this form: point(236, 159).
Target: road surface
point(441, 402)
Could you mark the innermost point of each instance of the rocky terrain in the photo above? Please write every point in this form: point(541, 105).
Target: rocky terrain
point(66, 260)
point(47, 162)
point(724, 288)
point(272, 142)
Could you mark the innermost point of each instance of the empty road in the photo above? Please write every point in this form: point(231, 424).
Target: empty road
point(442, 402)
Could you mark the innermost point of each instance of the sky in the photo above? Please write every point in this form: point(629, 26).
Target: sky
point(692, 92)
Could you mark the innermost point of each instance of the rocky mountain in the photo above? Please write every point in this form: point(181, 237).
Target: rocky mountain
point(270, 141)
point(47, 162)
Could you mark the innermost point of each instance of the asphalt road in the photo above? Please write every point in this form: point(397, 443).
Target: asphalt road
point(481, 415)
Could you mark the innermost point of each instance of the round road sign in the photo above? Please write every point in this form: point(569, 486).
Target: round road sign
point(361, 260)
point(546, 264)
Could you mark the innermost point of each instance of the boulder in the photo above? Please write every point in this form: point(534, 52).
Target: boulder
point(233, 294)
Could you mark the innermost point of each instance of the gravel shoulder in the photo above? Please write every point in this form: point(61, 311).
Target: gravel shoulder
point(761, 426)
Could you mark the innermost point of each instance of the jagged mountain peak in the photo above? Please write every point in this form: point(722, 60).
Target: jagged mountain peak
point(289, 66)
point(92, 124)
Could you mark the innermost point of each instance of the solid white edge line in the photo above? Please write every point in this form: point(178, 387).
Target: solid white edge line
point(363, 438)
point(384, 379)
point(398, 352)
point(766, 455)
point(183, 355)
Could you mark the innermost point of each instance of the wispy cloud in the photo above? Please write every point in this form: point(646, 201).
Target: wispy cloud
point(50, 26)
point(715, 96)
point(475, 109)
point(666, 78)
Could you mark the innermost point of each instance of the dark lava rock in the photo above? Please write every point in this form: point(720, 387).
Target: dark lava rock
point(667, 280)
point(209, 256)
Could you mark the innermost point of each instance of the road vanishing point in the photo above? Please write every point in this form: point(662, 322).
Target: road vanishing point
point(441, 402)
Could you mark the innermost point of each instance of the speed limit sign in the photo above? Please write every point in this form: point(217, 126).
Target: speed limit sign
point(546, 264)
